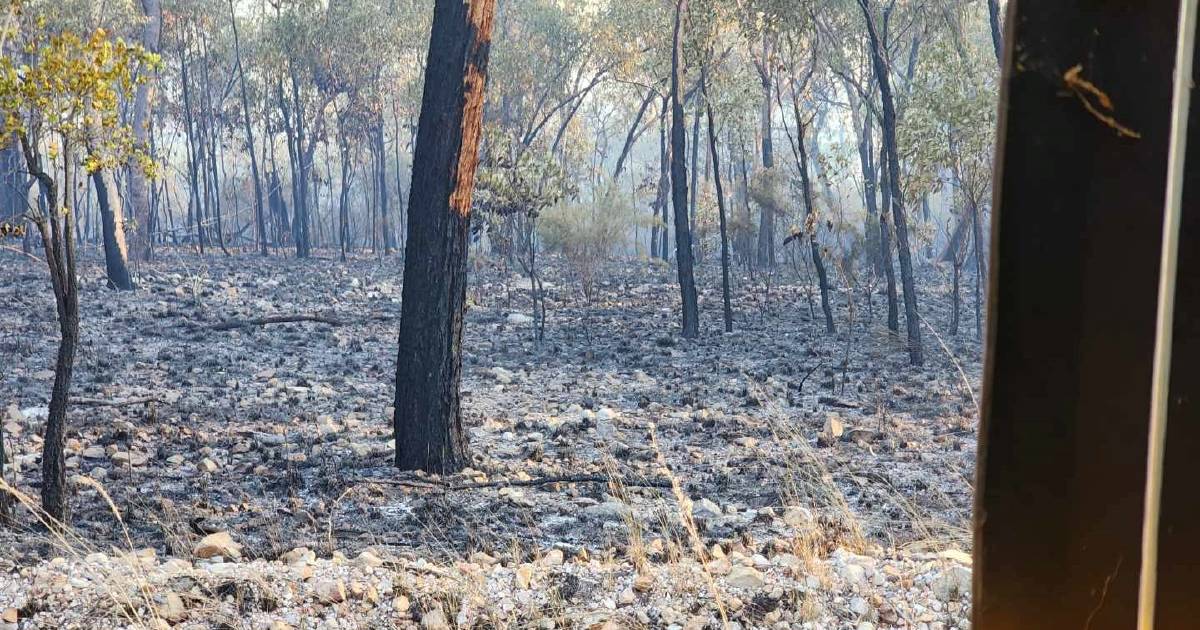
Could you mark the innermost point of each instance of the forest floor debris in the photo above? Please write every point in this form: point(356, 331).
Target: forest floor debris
point(778, 475)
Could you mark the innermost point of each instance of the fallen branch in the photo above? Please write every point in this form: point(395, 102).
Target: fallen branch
point(839, 404)
point(278, 319)
point(128, 402)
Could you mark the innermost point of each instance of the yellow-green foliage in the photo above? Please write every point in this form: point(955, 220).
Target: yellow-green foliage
point(589, 231)
point(67, 88)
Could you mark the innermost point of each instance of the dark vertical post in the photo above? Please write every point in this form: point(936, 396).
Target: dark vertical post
point(1075, 255)
point(679, 185)
point(428, 422)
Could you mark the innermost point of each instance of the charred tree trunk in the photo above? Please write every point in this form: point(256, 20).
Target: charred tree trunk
point(344, 197)
point(955, 299)
point(58, 244)
point(658, 237)
point(694, 198)
point(766, 223)
point(980, 268)
point(112, 218)
point(428, 420)
point(679, 185)
point(911, 317)
point(885, 244)
point(716, 170)
point(389, 234)
point(633, 134)
point(997, 36)
point(213, 135)
point(193, 145)
point(814, 246)
point(301, 174)
point(139, 187)
point(864, 125)
point(259, 219)
point(745, 240)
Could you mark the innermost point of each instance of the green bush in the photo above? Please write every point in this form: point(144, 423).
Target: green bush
point(587, 233)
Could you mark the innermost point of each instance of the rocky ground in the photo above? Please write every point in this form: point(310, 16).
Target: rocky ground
point(621, 476)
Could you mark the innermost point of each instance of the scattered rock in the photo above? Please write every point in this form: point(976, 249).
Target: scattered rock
point(952, 583)
point(502, 376)
point(745, 577)
point(299, 556)
point(797, 517)
point(705, 509)
point(330, 591)
point(368, 560)
point(553, 558)
point(171, 607)
point(218, 544)
point(434, 619)
point(832, 431)
point(514, 319)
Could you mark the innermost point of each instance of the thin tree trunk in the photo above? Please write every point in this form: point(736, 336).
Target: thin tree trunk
point(814, 246)
point(658, 238)
point(138, 183)
point(911, 316)
point(885, 244)
point(301, 176)
point(980, 268)
point(679, 185)
point(716, 170)
point(389, 234)
point(59, 247)
point(344, 196)
point(632, 135)
point(766, 224)
point(745, 240)
point(694, 198)
point(258, 194)
point(428, 421)
point(997, 36)
point(194, 208)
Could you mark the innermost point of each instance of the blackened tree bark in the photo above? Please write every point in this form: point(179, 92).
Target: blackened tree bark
point(301, 175)
point(380, 154)
point(806, 189)
point(716, 171)
point(679, 185)
point(997, 36)
point(658, 234)
point(694, 198)
point(347, 174)
point(428, 420)
point(112, 222)
point(633, 133)
point(212, 131)
point(258, 194)
point(900, 221)
point(195, 211)
point(980, 267)
point(139, 186)
point(885, 243)
point(279, 209)
point(766, 224)
point(58, 244)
